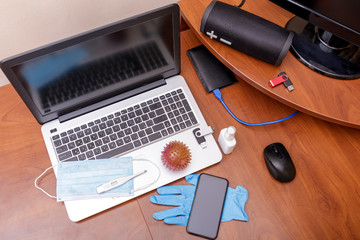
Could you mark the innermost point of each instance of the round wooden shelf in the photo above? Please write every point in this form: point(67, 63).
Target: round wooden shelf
point(333, 100)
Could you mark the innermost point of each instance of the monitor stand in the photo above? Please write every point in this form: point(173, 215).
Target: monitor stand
point(324, 52)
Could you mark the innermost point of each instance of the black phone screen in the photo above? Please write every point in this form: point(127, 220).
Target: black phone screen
point(205, 215)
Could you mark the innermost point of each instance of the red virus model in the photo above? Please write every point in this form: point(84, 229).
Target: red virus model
point(176, 155)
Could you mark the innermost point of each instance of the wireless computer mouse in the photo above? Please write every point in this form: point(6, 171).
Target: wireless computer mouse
point(279, 163)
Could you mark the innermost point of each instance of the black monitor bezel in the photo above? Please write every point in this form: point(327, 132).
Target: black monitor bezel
point(324, 22)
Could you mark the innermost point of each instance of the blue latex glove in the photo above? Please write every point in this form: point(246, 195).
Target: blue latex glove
point(182, 196)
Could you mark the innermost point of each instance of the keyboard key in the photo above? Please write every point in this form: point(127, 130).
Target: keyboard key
point(164, 133)
point(75, 151)
point(138, 112)
point(120, 134)
point(159, 111)
point(104, 148)
point(170, 130)
point(86, 140)
point(134, 137)
point(61, 149)
point(152, 114)
point(113, 137)
point(186, 105)
point(64, 156)
point(160, 119)
point(158, 127)
point(112, 145)
point(144, 140)
point(80, 134)
point(98, 142)
point(57, 143)
point(83, 148)
point(91, 145)
point(149, 123)
point(127, 139)
point(117, 120)
point(101, 134)
point(116, 151)
point(141, 134)
point(82, 157)
point(135, 128)
point(116, 128)
point(93, 137)
point(128, 131)
point(89, 154)
point(79, 142)
point(119, 142)
point(106, 140)
point(155, 106)
point(154, 136)
point(131, 115)
point(71, 145)
point(56, 137)
point(137, 143)
point(145, 110)
point(72, 137)
point(102, 126)
point(97, 151)
point(95, 129)
point(192, 118)
point(65, 140)
point(110, 123)
point(108, 131)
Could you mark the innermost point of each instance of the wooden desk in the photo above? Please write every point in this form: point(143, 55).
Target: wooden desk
point(330, 99)
point(323, 201)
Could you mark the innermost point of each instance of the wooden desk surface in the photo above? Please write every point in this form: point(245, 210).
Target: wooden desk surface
point(323, 201)
point(330, 99)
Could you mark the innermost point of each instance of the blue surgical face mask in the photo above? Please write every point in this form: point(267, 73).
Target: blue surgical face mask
point(78, 180)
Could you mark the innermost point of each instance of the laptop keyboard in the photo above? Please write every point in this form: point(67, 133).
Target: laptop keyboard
point(126, 130)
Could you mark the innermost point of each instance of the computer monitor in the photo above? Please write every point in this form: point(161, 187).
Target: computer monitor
point(327, 35)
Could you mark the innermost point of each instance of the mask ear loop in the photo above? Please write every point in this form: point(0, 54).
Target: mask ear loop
point(41, 175)
point(37, 179)
point(148, 185)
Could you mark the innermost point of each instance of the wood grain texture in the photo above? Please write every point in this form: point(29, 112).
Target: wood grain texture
point(27, 213)
point(323, 97)
point(322, 202)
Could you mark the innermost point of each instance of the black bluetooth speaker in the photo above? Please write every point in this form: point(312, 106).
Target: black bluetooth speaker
point(246, 32)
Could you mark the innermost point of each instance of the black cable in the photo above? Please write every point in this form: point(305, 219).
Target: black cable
point(241, 4)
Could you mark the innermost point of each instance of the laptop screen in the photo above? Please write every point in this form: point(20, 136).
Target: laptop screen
point(97, 65)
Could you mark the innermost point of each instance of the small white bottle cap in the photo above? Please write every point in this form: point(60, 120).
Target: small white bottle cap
point(230, 133)
point(227, 139)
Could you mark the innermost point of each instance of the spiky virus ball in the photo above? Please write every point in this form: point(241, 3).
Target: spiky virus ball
point(176, 155)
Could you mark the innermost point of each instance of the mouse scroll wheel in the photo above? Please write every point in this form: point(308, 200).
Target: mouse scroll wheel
point(278, 153)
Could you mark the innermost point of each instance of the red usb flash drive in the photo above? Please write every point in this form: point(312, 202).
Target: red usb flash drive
point(278, 80)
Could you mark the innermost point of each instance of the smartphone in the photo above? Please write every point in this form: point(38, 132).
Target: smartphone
point(207, 207)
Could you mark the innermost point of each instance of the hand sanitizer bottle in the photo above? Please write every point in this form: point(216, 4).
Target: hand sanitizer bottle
point(227, 139)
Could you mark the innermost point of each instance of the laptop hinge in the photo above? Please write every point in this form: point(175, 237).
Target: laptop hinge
point(106, 102)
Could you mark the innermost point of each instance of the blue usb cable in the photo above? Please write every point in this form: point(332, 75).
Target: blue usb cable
point(217, 94)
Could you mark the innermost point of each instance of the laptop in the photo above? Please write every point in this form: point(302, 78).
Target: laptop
point(115, 91)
